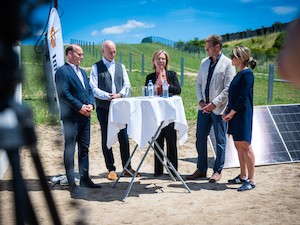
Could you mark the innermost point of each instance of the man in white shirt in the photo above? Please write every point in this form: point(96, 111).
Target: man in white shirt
point(76, 102)
point(109, 80)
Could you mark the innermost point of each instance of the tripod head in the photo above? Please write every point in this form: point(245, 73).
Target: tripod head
point(18, 13)
point(10, 74)
point(16, 24)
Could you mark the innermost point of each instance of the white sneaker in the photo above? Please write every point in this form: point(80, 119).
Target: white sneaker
point(61, 179)
point(64, 181)
point(57, 178)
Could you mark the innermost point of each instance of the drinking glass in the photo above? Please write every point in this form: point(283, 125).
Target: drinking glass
point(144, 91)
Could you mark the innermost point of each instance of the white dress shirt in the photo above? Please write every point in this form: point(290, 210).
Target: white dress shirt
point(101, 94)
point(219, 84)
point(78, 72)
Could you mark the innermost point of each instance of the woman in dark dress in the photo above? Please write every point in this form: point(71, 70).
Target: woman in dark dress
point(239, 115)
point(160, 61)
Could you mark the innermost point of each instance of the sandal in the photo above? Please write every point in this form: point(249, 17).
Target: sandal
point(237, 180)
point(247, 186)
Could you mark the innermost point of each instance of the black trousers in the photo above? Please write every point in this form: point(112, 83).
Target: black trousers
point(77, 131)
point(169, 134)
point(102, 115)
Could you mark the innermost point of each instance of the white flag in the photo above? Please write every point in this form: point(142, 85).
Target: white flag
point(55, 41)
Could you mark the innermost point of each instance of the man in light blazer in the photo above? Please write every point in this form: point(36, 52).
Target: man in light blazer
point(76, 101)
point(214, 78)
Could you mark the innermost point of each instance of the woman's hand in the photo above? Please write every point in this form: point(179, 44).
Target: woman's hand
point(229, 116)
point(160, 77)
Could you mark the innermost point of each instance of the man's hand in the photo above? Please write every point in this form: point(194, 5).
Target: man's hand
point(113, 96)
point(86, 110)
point(208, 108)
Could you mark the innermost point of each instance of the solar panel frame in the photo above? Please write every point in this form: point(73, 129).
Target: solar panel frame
point(275, 136)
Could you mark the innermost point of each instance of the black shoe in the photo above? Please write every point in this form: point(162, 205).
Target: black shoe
point(158, 174)
point(87, 182)
point(75, 191)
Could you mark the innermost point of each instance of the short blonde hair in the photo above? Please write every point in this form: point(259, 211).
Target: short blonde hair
point(158, 53)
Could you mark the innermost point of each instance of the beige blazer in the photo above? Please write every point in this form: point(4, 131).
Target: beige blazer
point(219, 84)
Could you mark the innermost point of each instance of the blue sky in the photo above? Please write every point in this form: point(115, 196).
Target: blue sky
point(178, 20)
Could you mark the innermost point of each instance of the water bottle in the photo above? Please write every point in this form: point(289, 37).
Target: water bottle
point(165, 88)
point(150, 89)
point(128, 92)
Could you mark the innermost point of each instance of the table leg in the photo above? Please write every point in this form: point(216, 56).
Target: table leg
point(169, 165)
point(137, 169)
point(126, 166)
point(162, 161)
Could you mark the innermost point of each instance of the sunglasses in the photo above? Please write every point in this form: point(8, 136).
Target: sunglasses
point(233, 56)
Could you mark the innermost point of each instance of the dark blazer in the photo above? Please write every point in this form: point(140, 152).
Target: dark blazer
point(240, 99)
point(71, 93)
point(168, 132)
point(174, 88)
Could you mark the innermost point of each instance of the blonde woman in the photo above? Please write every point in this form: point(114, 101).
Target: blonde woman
point(239, 115)
point(160, 62)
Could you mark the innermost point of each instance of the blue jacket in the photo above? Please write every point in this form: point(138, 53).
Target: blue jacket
point(71, 93)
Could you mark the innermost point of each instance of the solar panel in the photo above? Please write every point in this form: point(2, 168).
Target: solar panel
point(275, 136)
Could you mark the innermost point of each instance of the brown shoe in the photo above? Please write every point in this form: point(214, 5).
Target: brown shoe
point(196, 175)
point(112, 175)
point(130, 173)
point(215, 177)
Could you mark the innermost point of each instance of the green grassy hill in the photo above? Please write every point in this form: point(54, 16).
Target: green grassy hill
point(34, 81)
point(262, 42)
point(137, 50)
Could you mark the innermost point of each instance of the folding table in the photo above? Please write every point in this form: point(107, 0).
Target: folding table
point(144, 118)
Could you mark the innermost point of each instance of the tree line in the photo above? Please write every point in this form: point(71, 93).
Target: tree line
point(197, 45)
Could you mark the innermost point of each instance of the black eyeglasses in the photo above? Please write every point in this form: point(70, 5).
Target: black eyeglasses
point(79, 54)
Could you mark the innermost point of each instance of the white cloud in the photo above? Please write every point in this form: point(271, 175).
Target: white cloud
point(189, 13)
point(125, 28)
point(95, 33)
point(282, 10)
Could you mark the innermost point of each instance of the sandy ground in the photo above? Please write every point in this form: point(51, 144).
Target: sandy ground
point(155, 200)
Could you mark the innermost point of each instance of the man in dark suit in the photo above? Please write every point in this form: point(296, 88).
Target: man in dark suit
point(76, 102)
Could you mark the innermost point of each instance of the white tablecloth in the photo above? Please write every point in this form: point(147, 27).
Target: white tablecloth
point(143, 116)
